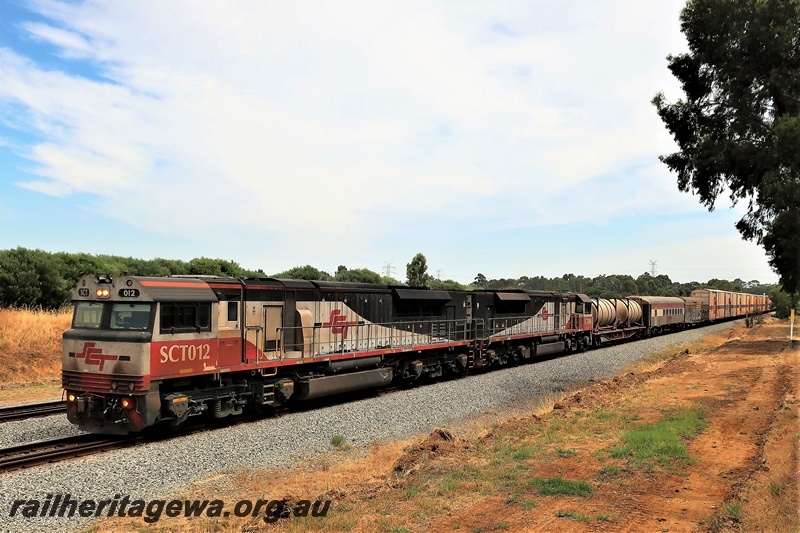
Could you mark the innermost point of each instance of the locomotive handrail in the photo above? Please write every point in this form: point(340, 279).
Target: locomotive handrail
point(354, 337)
point(532, 325)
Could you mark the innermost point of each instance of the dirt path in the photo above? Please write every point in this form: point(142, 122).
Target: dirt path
point(740, 473)
point(747, 387)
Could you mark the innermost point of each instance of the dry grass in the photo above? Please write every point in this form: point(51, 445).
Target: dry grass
point(708, 341)
point(770, 499)
point(30, 345)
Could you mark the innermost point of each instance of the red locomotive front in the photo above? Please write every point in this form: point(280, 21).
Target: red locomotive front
point(128, 334)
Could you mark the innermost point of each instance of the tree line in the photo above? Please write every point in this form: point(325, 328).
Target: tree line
point(44, 279)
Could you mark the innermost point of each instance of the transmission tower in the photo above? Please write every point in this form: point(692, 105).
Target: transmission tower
point(439, 274)
point(653, 268)
point(388, 269)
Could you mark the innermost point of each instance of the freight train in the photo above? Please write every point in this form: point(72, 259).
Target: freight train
point(146, 351)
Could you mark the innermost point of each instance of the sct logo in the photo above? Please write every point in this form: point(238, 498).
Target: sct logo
point(94, 356)
point(338, 323)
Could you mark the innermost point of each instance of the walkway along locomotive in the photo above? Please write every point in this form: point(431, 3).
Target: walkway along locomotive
point(144, 351)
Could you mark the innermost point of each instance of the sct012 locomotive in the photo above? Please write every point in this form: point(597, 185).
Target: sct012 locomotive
point(144, 351)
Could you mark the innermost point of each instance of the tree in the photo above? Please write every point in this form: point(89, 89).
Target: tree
point(417, 271)
point(214, 267)
point(480, 281)
point(358, 275)
point(575, 283)
point(721, 285)
point(782, 244)
point(738, 128)
point(540, 283)
point(32, 277)
point(782, 302)
point(306, 272)
point(446, 285)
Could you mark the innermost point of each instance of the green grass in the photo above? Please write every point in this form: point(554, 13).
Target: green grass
point(776, 489)
point(448, 485)
point(412, 491)
point(727, 518)
point(662, 441)
point(575, 516)
point(339, 442)
point(523, 453)
point(609, 471)
point(558, 485)
point(528, 504)
point(564, 453)
point(732, 510)
point(525, 504)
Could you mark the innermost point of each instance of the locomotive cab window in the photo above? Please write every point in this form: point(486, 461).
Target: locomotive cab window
point(130, 316)
point(185, 317)
point(87, 315)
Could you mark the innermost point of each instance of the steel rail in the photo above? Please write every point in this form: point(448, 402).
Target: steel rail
point(44, 452)
point(21, 412)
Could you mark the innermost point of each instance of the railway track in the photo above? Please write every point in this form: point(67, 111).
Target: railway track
point(56, 450)
point(21, 412)
point(53, 451)
point(44, 452)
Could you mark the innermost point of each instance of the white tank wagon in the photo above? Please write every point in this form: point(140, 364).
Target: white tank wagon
point(616, 318)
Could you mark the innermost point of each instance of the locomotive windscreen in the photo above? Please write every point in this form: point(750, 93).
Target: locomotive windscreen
point(88, 315)
point(130, 316)
point(115, 316)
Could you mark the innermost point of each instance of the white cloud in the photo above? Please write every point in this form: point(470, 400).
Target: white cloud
point(301, 124)
point(70, 43)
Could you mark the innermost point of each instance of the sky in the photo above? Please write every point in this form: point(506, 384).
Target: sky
point(508, 138)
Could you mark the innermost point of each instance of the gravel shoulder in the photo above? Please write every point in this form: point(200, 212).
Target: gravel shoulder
point(160, 469)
